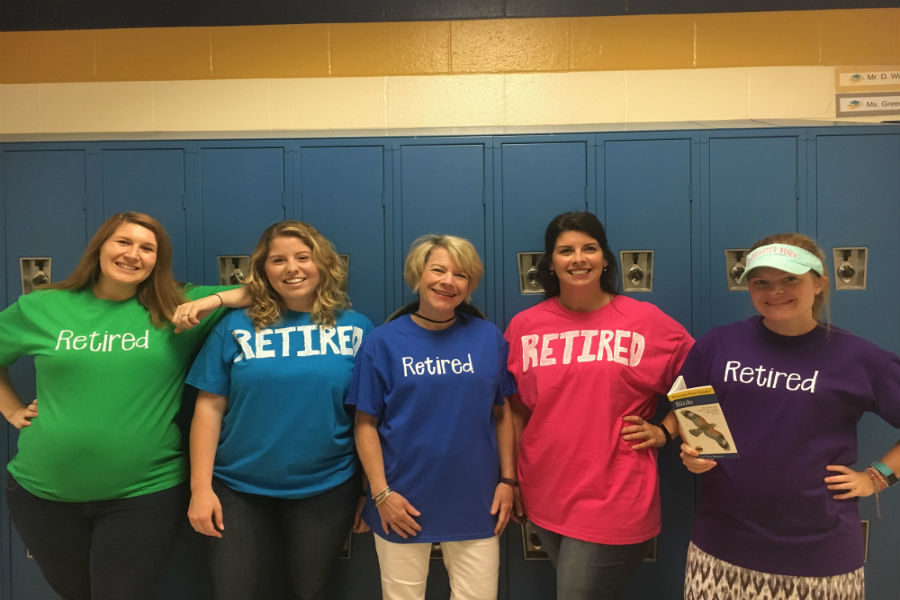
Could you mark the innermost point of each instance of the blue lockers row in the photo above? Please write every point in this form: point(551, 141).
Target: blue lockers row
point(687, 195)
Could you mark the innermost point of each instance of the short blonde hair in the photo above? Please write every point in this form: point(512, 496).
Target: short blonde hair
point(266, 305)
point(460, 249)
point(820, 304)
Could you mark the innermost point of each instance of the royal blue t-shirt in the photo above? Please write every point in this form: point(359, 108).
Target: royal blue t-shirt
point(792, 404)
point(286, 432)
point(434, 393)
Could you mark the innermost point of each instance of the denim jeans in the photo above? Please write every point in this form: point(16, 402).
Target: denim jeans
point(263, 536)
point(589, 571)
point(101, 550)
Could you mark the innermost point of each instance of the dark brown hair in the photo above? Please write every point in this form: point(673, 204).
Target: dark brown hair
point(589, 224)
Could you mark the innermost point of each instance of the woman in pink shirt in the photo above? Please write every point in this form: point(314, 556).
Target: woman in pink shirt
point(590, 365)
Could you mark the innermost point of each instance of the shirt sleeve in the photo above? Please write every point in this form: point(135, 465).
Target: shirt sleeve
point(211, 371)
point(886, 389)
point(367, 387)
point(18, 335)
point(695, 368)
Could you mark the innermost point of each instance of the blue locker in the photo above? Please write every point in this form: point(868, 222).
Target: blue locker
point(149, 180)
point(751, 188)
point(857, 188)
point(646, 186)
point(687, 195)
point(537, 180)
point(242, 191)
point(43, 192)
point(342, 191)
point(441, 188)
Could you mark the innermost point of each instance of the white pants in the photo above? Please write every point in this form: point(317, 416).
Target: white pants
point(473, 567)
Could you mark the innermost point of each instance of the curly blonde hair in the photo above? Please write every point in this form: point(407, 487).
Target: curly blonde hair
point(267, 306)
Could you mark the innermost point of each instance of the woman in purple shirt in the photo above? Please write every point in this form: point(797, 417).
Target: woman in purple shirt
point(781, 521)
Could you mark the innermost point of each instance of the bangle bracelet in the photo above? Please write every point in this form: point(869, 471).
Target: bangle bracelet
point(382, 495)
point(665, 433)
point(885, 472)
point(221, 301)
point(510, 481)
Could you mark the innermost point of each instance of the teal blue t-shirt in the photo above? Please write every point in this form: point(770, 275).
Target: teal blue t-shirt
point(286, 432)
point(109, 388)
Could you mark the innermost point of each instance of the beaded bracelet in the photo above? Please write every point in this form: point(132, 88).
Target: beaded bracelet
point(879, 482)
point(885, 471)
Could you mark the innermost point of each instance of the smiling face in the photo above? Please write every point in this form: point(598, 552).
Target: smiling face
point(127, 258)
point(578, 262)
point(785, 300)
point(443, 285)
point(292, 273)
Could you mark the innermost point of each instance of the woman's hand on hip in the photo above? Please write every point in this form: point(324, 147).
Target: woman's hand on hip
point(22, 417)
point(642, 434)
point(205, 513)
point(849, 483)
point(397, 515)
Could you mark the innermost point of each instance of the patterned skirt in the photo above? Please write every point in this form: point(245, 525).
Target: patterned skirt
point(709, 578)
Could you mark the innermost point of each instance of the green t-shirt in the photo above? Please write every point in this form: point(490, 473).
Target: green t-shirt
point(109, 387)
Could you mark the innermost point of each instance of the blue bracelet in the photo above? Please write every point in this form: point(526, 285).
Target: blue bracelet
point(885, 470)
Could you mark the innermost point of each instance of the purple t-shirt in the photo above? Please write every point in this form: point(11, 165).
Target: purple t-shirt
point(792, 404)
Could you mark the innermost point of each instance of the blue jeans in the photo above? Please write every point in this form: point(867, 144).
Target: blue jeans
point(589, 571)
point(265, 536)
point(101, 550)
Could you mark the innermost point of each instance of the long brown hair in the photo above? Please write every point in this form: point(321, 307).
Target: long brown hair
point(159, 293)
point(266, 305)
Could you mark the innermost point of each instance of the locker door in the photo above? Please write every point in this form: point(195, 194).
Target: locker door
point(342, 195)
point(647, 196)
point(241, 193)
point(751, 189)
point(152, 181)
point(440, 189)
point(43, 196)
point(537, 180)
point(857, 185)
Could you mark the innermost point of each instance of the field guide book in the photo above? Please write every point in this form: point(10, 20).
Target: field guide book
point(701, 420)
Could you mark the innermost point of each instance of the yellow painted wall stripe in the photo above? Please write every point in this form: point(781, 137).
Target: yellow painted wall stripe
point(546, 45)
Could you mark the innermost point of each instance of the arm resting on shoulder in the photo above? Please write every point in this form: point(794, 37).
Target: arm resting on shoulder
point(189, 314)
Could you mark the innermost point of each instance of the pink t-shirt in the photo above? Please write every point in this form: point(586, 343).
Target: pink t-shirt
point(580, 374)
